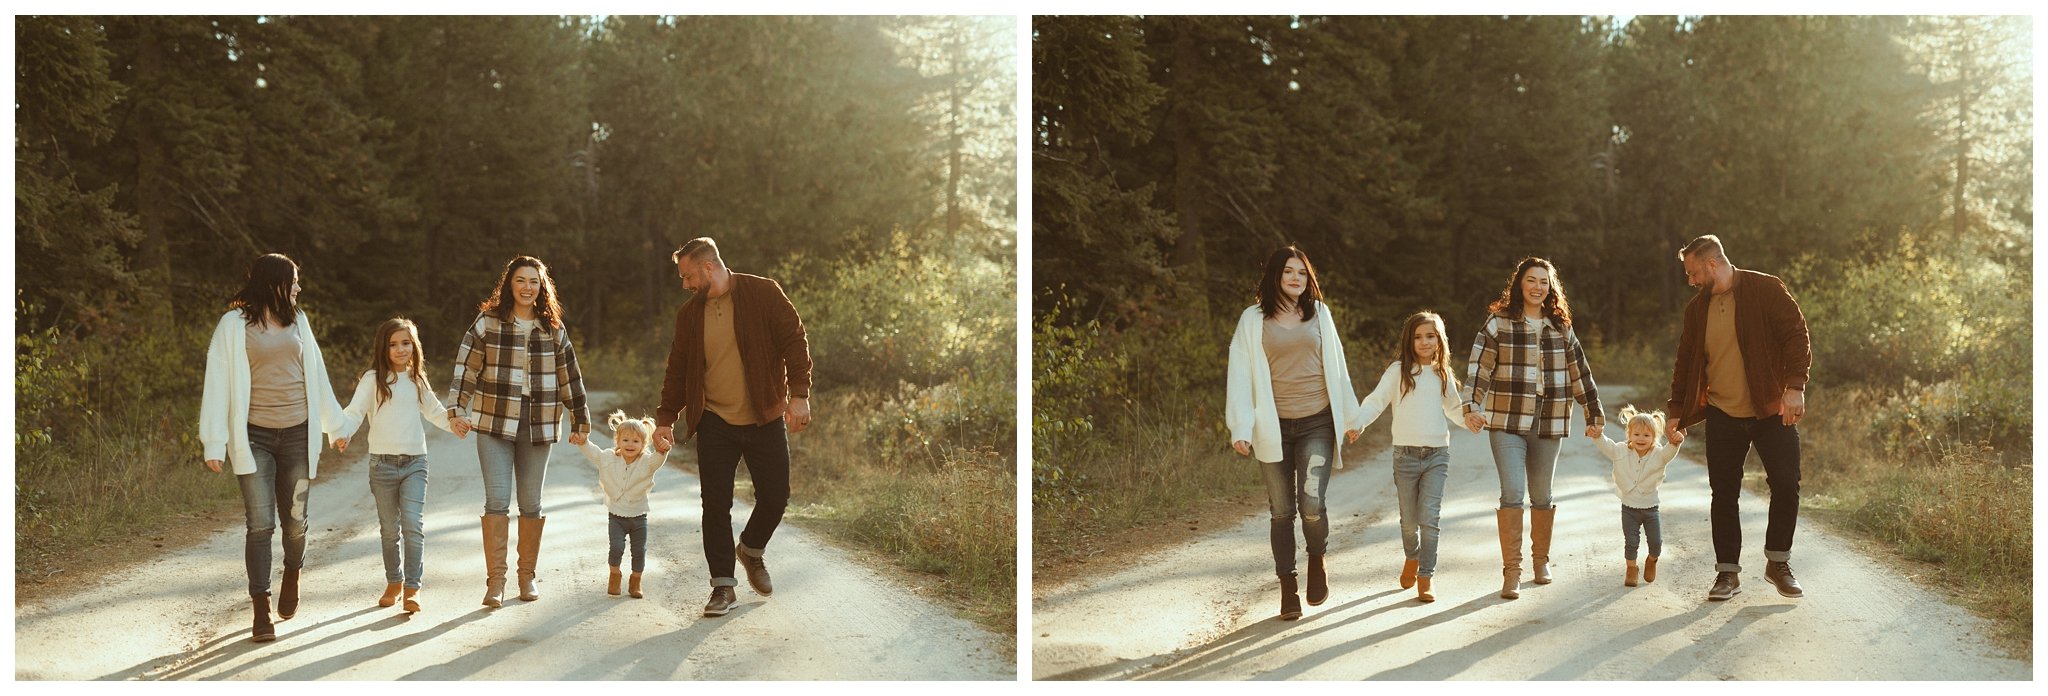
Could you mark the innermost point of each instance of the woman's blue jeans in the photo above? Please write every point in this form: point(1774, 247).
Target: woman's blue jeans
point(1419, 474)
point(1525, 464)
point(281, 475)
point(398, 482)
point(519, 462)
point(1296, 484)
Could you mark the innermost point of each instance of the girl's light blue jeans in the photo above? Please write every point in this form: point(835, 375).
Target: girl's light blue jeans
point(399, 484)
point(1419, 474)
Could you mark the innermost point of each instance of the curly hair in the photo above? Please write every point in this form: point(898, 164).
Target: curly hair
point(1555, 307)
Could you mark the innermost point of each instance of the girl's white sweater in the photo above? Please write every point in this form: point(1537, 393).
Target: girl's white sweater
point(625, 485)
point(1248, 407)
point(1636, 477)
point(224, 403)
point(395, 424)
point(1415, 414)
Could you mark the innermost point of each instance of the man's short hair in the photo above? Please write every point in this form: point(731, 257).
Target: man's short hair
point(1707, 246)
point(699, 249)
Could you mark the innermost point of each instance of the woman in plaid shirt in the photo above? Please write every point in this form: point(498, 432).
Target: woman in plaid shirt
point(515, 377)
point(1526, 369)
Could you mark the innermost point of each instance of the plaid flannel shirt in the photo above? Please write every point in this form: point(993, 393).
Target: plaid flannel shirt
point(1519, 377)
point(483, 390)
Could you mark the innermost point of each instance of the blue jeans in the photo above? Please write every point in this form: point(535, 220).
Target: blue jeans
point(1525, 464)
point(519, 460)
point(1647, 521)
point(1297, 482)
point(399, 484)
point(281, 474)
point(1419, 474)
point(621, 529)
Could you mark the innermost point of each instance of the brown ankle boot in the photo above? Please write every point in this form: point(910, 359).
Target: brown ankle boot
point(288, 595)
point(1290, 600)
point(263, 631)
point(1539, 543)
point(1509, 522)
point(529, 555)
point(611, 586)
point(1650, 569)
point(1408, 570)
point(412, 600)
point(1318, 581)
point(633, 586)
point(1629, 579)
point(496, 529)
point(390, 594)
point(1422, 592)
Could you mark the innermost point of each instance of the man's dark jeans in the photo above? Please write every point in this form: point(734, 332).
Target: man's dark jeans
point(1728, 442)
point(720, 447)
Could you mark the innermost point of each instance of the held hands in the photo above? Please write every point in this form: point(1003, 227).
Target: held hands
point(1592, 430)
point(1795, 406)
point(1351, 436)
point(578, 438)
point(1242, 447)
point(341, 444)
point(664, 438)
point(1672, 433)
point(213, 464)
point(1474, 422)
point(461, 426)
point(799, 414)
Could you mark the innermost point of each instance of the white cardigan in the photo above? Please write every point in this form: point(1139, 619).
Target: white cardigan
point(224, 407)
point(1249, 410)
point(1636, 476)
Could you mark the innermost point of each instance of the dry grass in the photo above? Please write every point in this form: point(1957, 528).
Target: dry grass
point(1960, 509)
point(950, 516)
point(78, 497)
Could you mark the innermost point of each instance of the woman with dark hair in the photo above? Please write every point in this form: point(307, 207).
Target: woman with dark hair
point(1289, 394)
point(265, 383)
point(515, 377)
point(1526, 370)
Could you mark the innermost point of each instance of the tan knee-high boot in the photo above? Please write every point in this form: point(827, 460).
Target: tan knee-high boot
point(529, 555)
point(496, 529)
point(1539, 543)
point(1509, 521)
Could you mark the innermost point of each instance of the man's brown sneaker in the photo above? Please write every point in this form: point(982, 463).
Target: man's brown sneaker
point(1725, 585)
point(1780, 574)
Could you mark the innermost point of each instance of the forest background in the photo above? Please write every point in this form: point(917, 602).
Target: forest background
point(1882, 166)
point(868, 164)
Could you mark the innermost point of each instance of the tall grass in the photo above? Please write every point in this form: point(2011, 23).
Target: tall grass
point(135, 471)
point(1957, 506)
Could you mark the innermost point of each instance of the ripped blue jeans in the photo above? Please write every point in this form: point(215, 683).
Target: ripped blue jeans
point(1296, 484)
point(274, 494)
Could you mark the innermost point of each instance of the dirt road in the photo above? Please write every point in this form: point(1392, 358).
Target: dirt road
point(186, 615)
point(1205, 611)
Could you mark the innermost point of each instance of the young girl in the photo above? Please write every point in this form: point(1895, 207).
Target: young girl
point(626, 473)
point(1638, 469)
point(1419, 387)
point(393, 395)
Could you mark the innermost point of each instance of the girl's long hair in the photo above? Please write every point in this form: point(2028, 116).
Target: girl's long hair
point(380, 359)
point(1269, 284)
point(545, 307)
point(1555, 307)
point(268, 290)
point(1410, 361)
